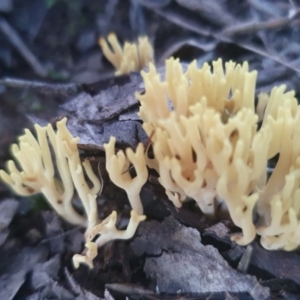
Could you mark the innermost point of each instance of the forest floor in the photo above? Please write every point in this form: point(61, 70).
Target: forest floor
point(52, 66)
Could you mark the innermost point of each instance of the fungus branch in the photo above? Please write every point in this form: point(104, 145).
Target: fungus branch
point(107, 231)
point(117, 167)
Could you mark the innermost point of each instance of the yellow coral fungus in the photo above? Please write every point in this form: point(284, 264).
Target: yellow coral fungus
point(107, 231)
point(38, 175)
point(132, 57)
point(208, 146)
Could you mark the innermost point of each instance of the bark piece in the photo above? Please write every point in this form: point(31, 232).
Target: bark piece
point(81, 293)
point(54, 290)
point(15, 266)
point(115, 96)
point(219, 232)
point(127, 133)
point(281, 264)
point(45, 272)
point(180, 262)
point(54, 232)
point(8, 209)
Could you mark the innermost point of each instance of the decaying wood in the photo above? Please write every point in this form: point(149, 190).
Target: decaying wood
point(177, 261)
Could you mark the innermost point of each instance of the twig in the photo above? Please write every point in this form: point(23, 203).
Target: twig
point(186, 22)
point(245, 260)
point(261, 53)
point(247, 28)
point(181, 18)
point(58, 236)
point(293, 4)
point(263, 7)
point(45, 87)
point(16, 41)
point(210, 10)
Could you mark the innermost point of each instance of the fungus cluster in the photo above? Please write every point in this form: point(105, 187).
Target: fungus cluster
point(50, 164)
point(205, 139)
point(131, 57)
point(211, 144)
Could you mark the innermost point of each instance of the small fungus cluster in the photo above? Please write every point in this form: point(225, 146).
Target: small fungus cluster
point(37, 173)
point(132, 57)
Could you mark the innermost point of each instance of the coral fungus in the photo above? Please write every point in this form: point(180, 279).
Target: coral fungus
point(210, 143)
point(132, 57)
point(208, 146)
point(51, 165)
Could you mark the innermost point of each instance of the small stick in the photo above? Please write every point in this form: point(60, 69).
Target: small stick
point(247, 28)
point(245, 260)
point(101, 178)
point(16, 41)
point(57, 88)
point(188, 23)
